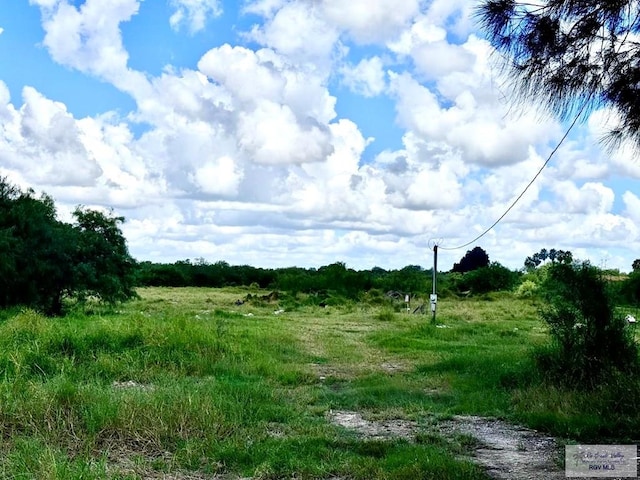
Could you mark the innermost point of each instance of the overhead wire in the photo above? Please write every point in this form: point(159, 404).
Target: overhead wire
point(517, 199)
point(553, 152)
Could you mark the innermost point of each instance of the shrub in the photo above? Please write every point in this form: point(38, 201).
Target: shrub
point(630, 288)
point(386, 315)
point(590, 342)
point(527, 289)
point(493, 278)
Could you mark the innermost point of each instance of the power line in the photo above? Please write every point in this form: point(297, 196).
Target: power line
point(513, 204)
point(564, 137)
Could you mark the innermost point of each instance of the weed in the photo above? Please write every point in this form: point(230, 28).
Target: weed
point(184, 379)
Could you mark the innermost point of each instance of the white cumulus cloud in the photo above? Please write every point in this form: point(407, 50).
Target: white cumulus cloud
point(366, 78)
point(251, 153)
point(193, 13)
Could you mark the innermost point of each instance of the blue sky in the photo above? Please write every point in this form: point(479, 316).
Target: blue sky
point(26, 62)
point(299, 132)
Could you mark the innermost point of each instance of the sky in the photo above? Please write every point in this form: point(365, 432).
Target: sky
point(279, 133)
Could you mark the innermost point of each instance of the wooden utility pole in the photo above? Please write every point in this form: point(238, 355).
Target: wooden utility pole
point(434, 296)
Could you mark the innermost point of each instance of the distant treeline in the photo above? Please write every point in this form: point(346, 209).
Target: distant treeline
point(335, 278)
point(338, 280)
point(45, 263)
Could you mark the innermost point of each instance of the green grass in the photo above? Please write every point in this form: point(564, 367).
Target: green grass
point(184, 380)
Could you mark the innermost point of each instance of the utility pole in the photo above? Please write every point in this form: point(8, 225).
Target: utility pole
point(434, 296)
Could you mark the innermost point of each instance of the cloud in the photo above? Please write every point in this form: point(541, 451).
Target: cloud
point(249, 78)
point(264, 8)
point(300, 32)
point(281, 114)
point(88, 38)
point(193, 13)
point(89, 160)
point(250, 153)
point(42, 141)
point(456, 15)
point(432, 189)
point(218, 177)
point(310, 30)
point(271, 134)
point(5, 102)
point(462, 110)
point(367, 78)
point(247, 75)
point(590, 198)
point(632, 204)
point(370, 22)
point(423, 176)
point(327, 191)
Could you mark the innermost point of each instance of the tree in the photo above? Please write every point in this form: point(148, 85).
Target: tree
point(636, 265)
point(575, 55)
point(43, 260)
point(492, 278)
point(472, 260)
point(102, 266)
point(556, 256)
point(35, 250)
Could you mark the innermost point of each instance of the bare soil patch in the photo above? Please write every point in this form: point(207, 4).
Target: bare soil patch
point(131, 384)
point(374, 430)
point(124, 461)
point(509, 451)
point(506, 451)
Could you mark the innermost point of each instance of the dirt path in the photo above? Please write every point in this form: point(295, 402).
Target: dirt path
point(506, 451)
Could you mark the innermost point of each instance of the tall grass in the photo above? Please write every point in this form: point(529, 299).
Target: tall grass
point(186, 380)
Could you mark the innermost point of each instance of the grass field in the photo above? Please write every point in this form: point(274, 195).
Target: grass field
point(184, 383)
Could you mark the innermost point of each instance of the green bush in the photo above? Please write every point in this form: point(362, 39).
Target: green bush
point(386, 315)
point(375, 296)
point(590, 343)
point(527, 289)
point(493, 278)
point(629, 289)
